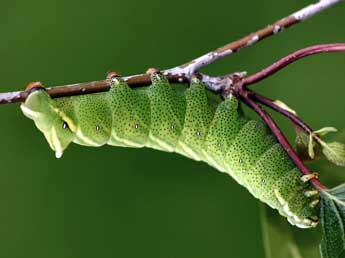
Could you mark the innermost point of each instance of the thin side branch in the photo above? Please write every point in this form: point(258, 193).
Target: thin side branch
point(301, 15)
point(281, 138)
point(296, 120)
point(285, 61)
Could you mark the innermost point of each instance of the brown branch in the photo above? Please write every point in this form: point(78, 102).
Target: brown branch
point(235, 46)
point(301, 15)
point(293, 57)
point(86, 88)
point(280, 137)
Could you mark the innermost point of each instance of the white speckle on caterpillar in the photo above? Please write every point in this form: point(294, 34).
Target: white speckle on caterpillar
point(254, 39)
point(97, 128)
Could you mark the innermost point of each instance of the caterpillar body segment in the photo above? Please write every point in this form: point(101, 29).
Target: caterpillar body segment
point(163, 118)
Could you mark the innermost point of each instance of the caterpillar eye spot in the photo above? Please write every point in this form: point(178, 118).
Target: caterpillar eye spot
point(65, 125)
point(263, 181)
point(198, 133)
point(97, 128)
point(136, 126)
point(172, 126)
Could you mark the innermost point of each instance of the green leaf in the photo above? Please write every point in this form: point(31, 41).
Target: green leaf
point(334, 152)
point(306, 146)
point(285, 241)
point(302, 143)
point(339, 192)
point(332, 216)
point(311, 145)
point(325, 130)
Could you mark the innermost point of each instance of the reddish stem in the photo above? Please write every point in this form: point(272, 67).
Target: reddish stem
point(280, 137)
point(285, 61)
point(270, 103)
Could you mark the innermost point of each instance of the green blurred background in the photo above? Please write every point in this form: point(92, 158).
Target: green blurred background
point(117, 202)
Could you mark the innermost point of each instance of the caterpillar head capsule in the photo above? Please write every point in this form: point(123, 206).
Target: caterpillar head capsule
point(52, 122)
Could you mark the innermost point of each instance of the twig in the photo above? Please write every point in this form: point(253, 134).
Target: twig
point(281, 138)
point(275, 67)
point(214, 83)
point(280, 64)
point(84, 88)
point(301, 15)
point(184, 72)
point(296, 120)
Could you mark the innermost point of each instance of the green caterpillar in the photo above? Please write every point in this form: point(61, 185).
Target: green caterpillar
point(166, 118)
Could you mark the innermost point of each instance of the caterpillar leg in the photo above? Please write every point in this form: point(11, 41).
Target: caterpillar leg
point(307, 178)
point(112, 74)
point(314, 203)
point(31, 87)
point(153, 71)
point(113, 77)
point(306, 222)
point(34, 85)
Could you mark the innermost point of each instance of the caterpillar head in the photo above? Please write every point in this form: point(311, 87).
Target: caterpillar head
point(52, 122)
